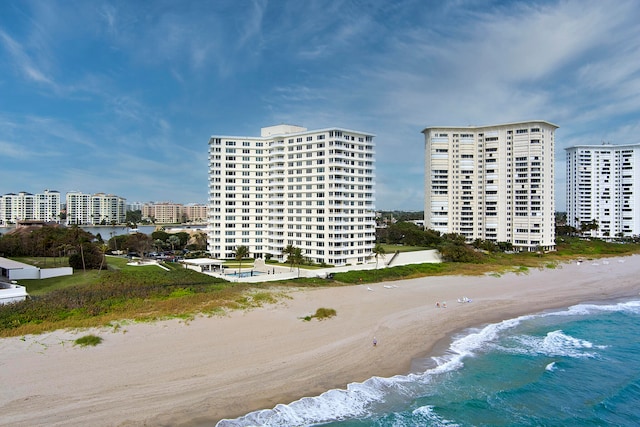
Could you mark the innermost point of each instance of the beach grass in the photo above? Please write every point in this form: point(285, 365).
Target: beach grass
point(100, 298)
point(88, 340)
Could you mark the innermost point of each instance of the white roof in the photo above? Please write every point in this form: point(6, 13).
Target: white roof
point(9, 264)
point(203, 261)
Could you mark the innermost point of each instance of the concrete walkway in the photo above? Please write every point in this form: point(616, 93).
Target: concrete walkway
point(272, 272)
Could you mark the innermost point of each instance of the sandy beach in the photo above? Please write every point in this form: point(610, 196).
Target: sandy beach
point(194, 373)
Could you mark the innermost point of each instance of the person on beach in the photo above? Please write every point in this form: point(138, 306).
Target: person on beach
point(375, 341)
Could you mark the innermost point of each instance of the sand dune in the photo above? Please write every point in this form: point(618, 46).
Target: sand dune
point(176, 373)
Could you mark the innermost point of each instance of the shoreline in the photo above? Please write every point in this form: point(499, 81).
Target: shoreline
point(194, 373)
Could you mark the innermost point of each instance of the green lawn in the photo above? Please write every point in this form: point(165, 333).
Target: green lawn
point(390, 249)
point(44, 262)
point(37, 287)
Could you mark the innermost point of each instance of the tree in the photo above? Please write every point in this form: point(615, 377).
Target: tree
point(90, 257)
point(160, 235)
point(458, 252)
point(289, 251)
point(103, 250)
point(184, 237)
point(406, 233)
point(133, 217)
point(159, 245)
point(138, 242)
point(198, 241)
point(297, 258)
point(173, 241)
point(241, 252)
point(378, 251)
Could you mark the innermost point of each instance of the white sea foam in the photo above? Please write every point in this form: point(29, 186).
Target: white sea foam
point(587, 309)
point(427, 415)
point(360, 399)
point(551, 367)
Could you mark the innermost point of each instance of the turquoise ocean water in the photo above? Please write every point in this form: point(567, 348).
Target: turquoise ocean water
point(574, 367)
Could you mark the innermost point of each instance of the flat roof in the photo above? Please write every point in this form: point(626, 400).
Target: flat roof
point(203, 261)
point(306, 132)
point(603, 146)
point(490, 126)
point(9, 264)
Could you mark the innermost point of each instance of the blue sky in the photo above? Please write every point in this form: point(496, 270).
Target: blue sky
point(122, 96)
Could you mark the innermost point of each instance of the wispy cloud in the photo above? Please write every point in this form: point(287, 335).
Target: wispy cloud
point(22, 62)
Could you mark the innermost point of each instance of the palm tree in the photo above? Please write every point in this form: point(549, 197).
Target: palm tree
point(378, 251)
point(297, 258)
point(289, 251)
point(241, 252)
point(173, 241)
point(103, 251)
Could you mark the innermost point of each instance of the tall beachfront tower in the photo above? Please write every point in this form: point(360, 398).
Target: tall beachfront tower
point(314, 190)
point(603, 183)
point(492, 183)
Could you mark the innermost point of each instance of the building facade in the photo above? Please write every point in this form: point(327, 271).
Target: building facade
point(314, 190)
point(25, 206)
point(95, 209)
point(492, 183)
point(602, 190)
point(195, 212)
point(163, 212)
point(108, 209)
point(174, 213)
point(47, 206)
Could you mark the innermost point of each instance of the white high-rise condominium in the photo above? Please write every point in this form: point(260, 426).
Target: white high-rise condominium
point(96, 209)
point(314, 190)
point(47, 206)
point(492, 183)
point(108, 209)
point(17, 207)
point(26, 206)
point(602, 189)
point(78, 208)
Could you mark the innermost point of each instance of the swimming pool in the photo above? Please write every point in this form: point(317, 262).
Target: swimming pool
point(246, 274)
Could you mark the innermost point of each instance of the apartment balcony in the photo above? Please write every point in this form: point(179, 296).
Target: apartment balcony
point(276, 144)
point(277, 159)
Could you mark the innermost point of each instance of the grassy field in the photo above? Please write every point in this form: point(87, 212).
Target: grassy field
point(121, 292)
point(390, 249)
point(37, 287)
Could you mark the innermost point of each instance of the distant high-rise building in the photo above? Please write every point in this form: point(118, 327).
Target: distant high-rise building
point(492, 183)
point(314, 190)
point(163, 212)
point(47, 206)
point(26, 206)
point(108, 209)
point(78, 208)
point(194, 212)
point(603, 183)
point(135, 206)
point(17, 207)
point(95, 209)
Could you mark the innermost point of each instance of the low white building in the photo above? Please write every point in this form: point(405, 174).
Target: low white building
point(12, 292)
point(14, 270)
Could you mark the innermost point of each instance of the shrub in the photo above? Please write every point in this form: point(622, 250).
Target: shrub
point(324, 313)
point(86, 340)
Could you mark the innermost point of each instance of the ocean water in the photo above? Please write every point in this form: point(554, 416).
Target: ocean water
point(574, 367)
